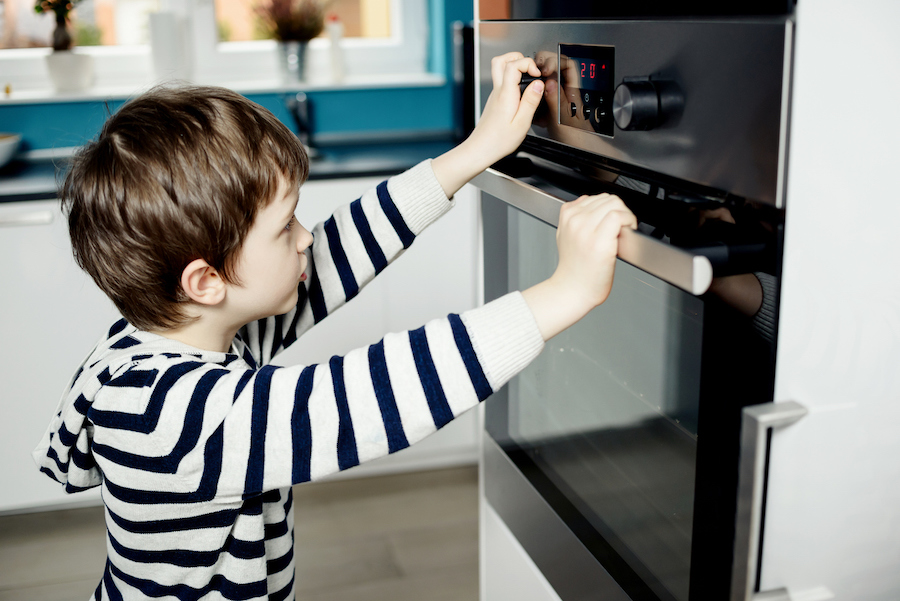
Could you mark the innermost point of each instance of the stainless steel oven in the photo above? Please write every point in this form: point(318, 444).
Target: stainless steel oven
point(614, 459)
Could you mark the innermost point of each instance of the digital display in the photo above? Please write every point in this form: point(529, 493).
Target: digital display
point(592, 74)
point(587, 82)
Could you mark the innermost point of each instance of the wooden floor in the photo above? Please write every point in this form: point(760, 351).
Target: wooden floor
point(398, 538)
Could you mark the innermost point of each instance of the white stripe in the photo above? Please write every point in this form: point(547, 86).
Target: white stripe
point(354, 249)
point(451, 370)
point(381, 227)
point(323, 417)
point(332, 289)
point(368, 424)
point(279, 441)
point(411, 402)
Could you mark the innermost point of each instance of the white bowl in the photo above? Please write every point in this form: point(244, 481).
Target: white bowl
point(9, 143)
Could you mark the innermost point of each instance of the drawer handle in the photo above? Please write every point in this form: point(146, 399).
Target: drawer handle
point(33, 218)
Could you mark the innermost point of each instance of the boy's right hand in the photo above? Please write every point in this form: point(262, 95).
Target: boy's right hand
point(588, 241)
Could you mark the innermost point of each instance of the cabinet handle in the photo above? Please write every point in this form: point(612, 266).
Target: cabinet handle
point(690, 272)
point(33, 218)
point(755, 424)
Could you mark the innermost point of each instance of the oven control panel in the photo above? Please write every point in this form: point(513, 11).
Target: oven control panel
point(586, 87)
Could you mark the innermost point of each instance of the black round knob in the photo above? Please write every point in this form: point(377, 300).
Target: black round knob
point(636, 105)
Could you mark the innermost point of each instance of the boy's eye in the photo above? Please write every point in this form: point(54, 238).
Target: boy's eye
point(290, 223)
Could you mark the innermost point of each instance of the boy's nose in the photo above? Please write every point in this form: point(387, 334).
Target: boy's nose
point(304, 239)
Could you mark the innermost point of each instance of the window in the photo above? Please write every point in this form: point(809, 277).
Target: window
point(237, 21)
point(381, 37)
point(94, 23)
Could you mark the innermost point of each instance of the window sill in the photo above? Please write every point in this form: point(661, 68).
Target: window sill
point(352, 82)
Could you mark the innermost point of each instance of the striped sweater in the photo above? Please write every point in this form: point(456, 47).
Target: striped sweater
point(195, 451)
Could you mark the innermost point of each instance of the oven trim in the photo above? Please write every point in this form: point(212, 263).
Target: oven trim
point(552, 546)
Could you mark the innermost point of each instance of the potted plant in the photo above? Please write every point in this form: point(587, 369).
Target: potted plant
point(292, 23)
point(68, 71)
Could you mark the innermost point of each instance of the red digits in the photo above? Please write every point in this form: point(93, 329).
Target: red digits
point(582, 70)
point(592, 70)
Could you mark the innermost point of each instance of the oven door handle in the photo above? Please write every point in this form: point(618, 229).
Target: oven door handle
point(756, 422)
point(688, 271)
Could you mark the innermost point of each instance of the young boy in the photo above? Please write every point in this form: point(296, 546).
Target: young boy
point(182, 211)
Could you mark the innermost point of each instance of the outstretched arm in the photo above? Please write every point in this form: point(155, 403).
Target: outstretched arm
point(505, 121)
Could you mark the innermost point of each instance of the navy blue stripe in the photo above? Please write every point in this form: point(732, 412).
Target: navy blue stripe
point(111, 589)
point(393, 215)
point(63, 466)
point(116, 328)
point(301, 430)
point(368, 239)
point(187, 440)
point(273, 566)
point(273, 531)
point(303, 297)
point(206, 490)
point(348, 281)
point(261, 335)
point(82, 405)
point(381, 381)
point(147, 421)
point(135, 378)
point(192, 559)
point(277, 335)
point(66, 437)
point(83, 461)
point(316, 296)
point(253, 483)
point(183, 592)
point(252, 506)
point(283, 593)
point(428, 376)
point(242, 383)
point(125, 342)
point(217, 519)
point(346, 442)
point(470, 359)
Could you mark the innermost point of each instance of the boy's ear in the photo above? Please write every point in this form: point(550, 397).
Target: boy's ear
point(202, 283)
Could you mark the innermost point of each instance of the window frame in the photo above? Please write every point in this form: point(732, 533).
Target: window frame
point(251, 65)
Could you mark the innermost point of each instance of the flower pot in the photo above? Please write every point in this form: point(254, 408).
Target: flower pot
point(69, 71)
point(292, 57)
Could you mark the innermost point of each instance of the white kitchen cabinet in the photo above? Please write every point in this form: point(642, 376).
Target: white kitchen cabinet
point(52, 315)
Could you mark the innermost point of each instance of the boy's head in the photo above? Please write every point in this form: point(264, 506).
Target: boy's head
point(177, 174)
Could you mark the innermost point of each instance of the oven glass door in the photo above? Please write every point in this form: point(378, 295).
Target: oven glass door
point(608, 412)
point(628, 423)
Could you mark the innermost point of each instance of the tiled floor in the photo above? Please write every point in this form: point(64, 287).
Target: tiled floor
point(401, 537)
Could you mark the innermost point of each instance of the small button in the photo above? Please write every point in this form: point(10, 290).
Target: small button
point(599, 114)
point(587, 110)
point(573, 108)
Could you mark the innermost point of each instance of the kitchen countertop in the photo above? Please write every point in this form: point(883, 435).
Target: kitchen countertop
point(38, 178)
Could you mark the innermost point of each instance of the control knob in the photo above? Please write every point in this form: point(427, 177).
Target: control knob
point(642, 104)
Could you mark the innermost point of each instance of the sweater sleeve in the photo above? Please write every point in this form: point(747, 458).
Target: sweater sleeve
point(222, 435)
point(349, 250)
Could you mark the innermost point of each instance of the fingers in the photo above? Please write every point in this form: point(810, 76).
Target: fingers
point(509, 68)
point(602, 213)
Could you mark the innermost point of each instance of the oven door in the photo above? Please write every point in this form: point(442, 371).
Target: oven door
point(613, 458)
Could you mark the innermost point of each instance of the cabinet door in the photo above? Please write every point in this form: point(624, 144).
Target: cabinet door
point(435, 277)
point(52, 314)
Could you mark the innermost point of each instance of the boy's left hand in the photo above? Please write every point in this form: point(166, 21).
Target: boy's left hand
point(504, 122)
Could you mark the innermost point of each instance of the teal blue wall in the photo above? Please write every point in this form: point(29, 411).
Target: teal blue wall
point(427, 109)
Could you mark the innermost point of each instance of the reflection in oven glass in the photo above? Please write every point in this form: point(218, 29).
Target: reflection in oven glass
point(614, 425)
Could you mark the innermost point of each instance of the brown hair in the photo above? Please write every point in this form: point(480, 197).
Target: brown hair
point(176, 174)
